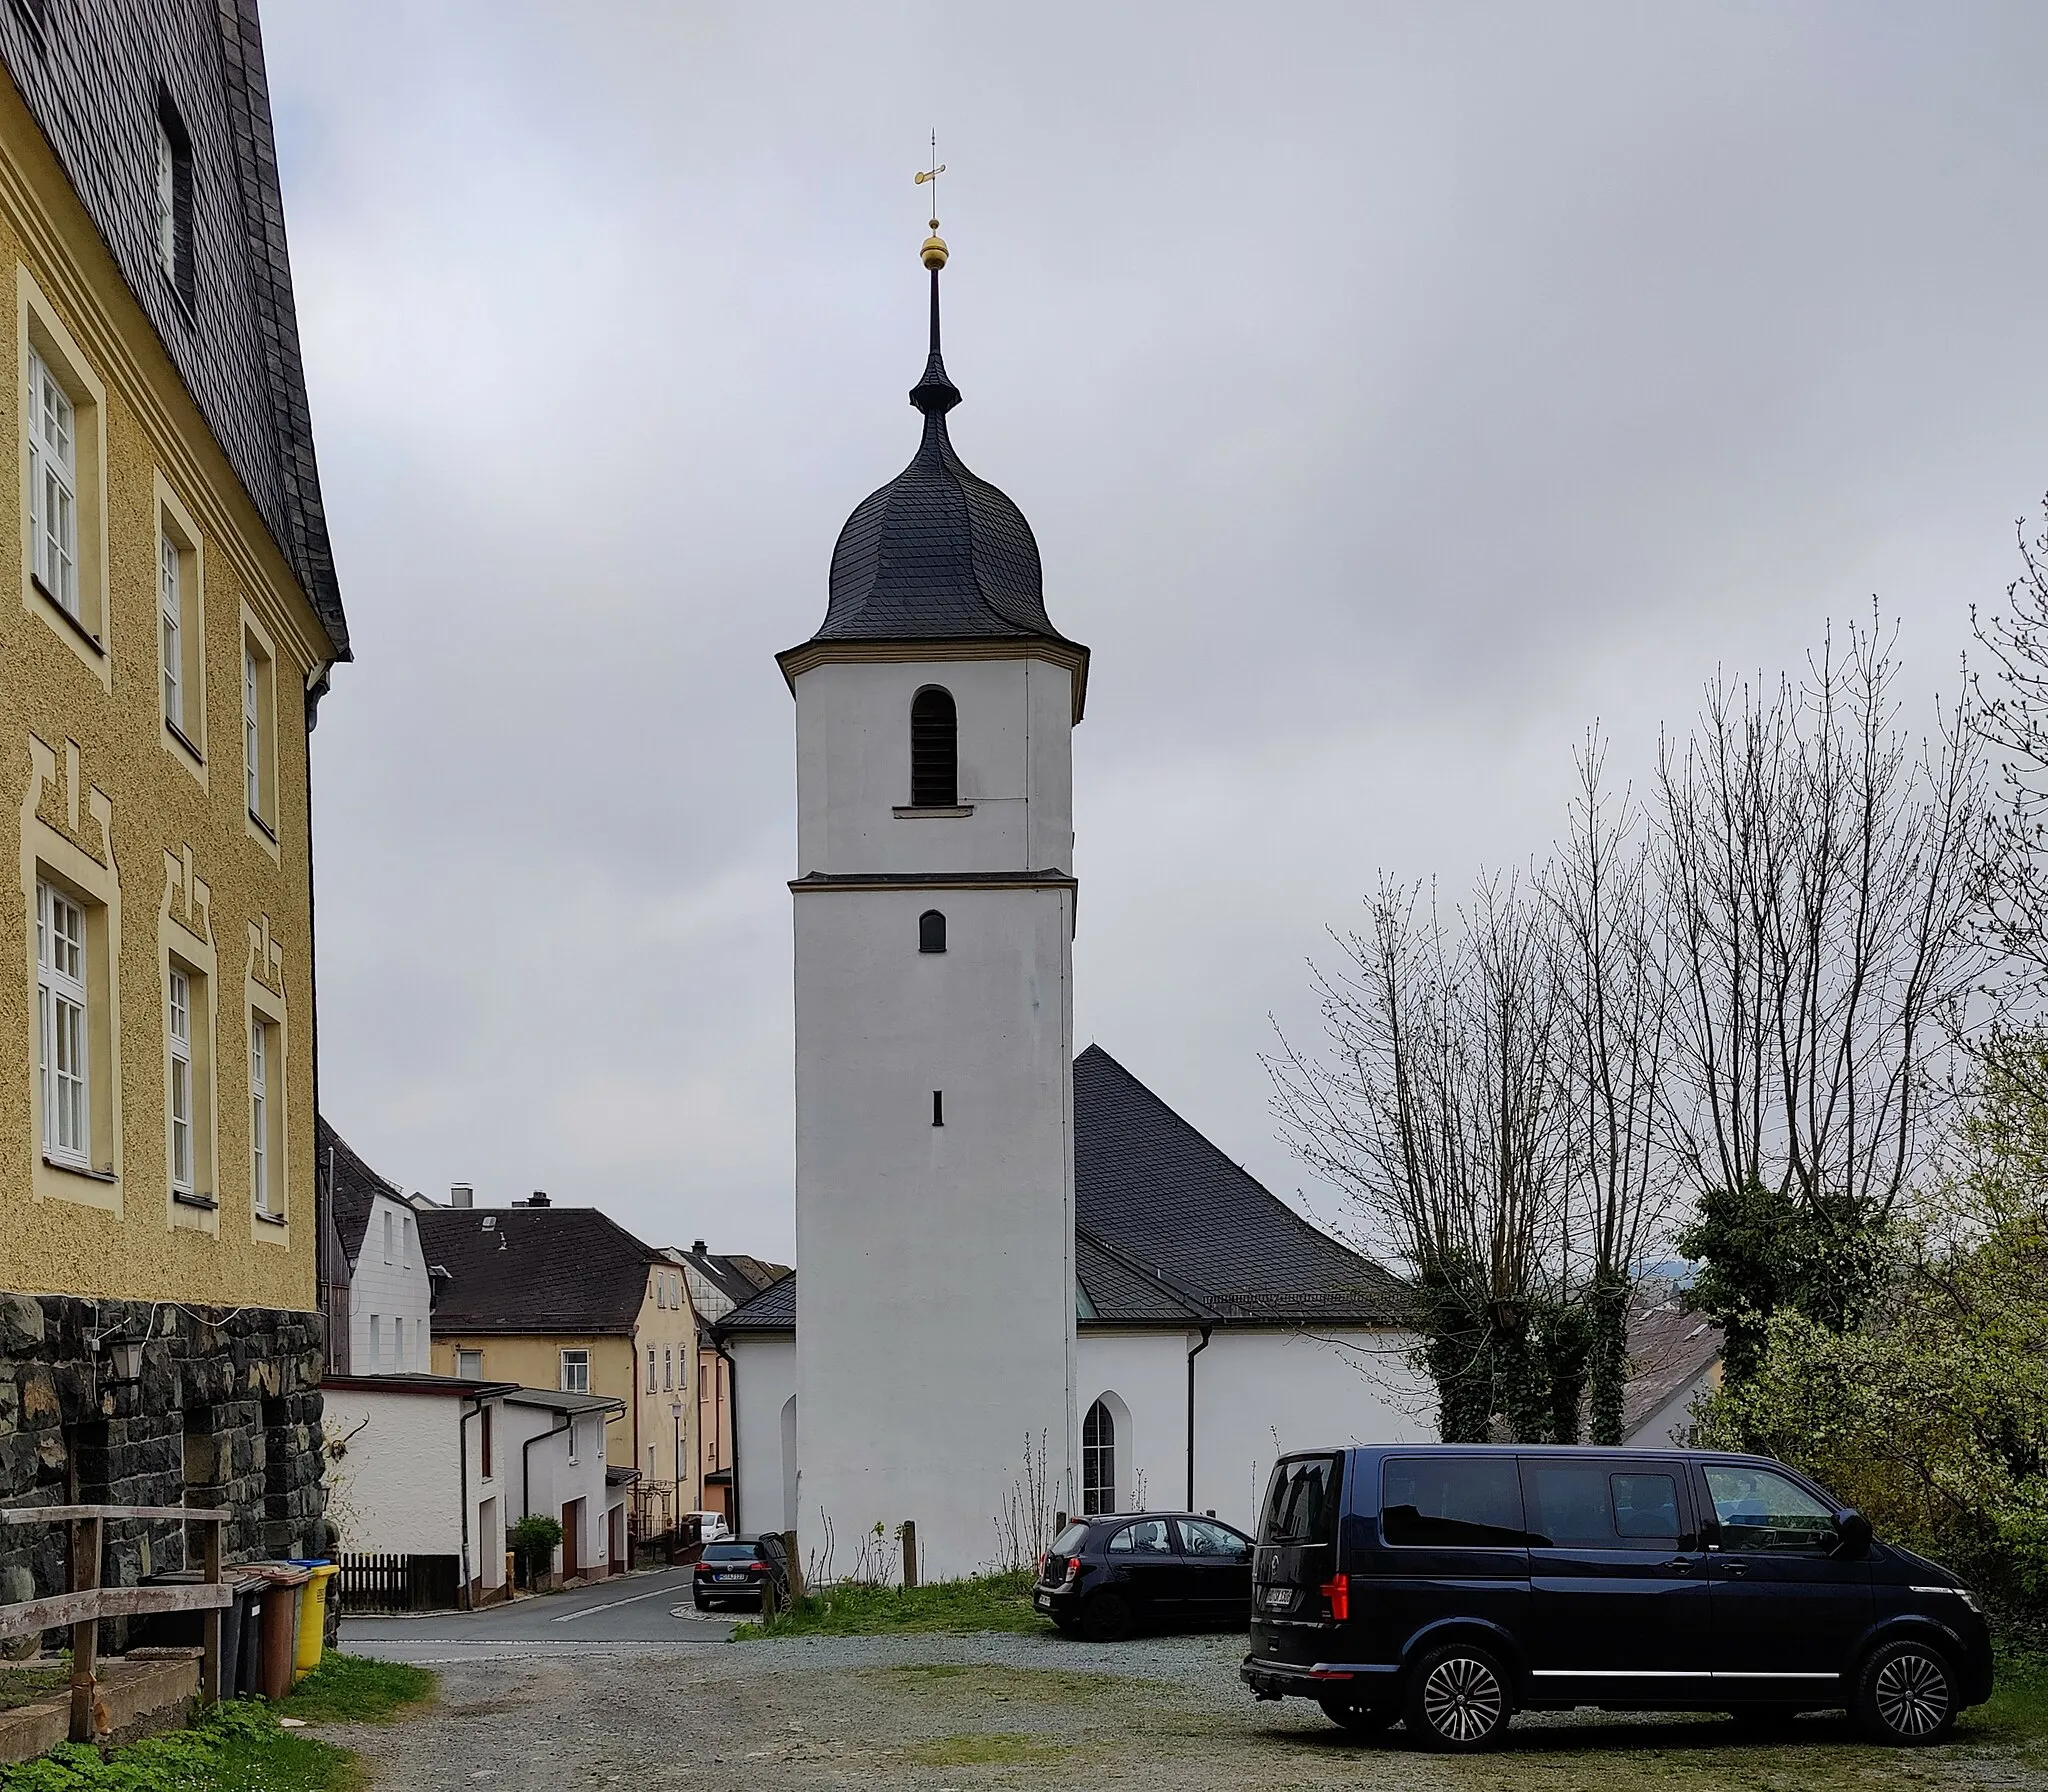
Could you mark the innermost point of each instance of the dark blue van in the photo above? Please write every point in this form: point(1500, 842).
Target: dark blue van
point(1448, 1586)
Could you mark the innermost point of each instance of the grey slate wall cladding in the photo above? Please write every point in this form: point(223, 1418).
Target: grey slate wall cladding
point(233, 1395)
point(91, 75)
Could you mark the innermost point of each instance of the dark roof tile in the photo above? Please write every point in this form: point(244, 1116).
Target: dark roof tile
point(535, 1269)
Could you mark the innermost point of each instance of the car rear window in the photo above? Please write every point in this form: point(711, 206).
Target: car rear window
point(729, 1552)
point(1451, 1502)
point(1301, 1501)
point(1069, 1541)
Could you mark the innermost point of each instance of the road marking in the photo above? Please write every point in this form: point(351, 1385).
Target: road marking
point(613, 1605)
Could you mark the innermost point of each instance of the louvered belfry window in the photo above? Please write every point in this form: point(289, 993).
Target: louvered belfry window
point(934, 750)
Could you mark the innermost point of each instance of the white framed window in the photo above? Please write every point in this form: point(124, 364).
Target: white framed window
point(171, 607)
point(62, 1017)
point(650, 1368)
point(668, 1368)
point(575, 1371)
point(398, 1342)
point(405, 1238)
point(181, 1082)
point(390, 1232)
point(53, 484)
point(252, 730)
point(259, 1113)
point(469, 1365)
point(376, 1343)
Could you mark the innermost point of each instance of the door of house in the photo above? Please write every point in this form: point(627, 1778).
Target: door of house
point(572, 1539)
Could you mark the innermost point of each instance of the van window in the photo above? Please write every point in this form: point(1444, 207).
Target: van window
point(1585, 1505)
point(1301, 1501)
point(1760, 1510)
point(1451, 1502)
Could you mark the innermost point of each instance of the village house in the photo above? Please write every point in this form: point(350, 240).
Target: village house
point(383, 1322)
point(175, 622)
point(566, 1298)
point(717, 1284)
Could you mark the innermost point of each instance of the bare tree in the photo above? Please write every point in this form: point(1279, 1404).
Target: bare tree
point(1435, 1108)
point(1611, 974)
point(1820, 875)
point(2012, 717)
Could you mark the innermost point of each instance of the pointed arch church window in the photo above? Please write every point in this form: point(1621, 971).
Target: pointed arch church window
point(931, 931)
point(1098, 1461)
point(934, 750)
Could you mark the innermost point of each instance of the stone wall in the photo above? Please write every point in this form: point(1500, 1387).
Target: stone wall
point(225, 1412)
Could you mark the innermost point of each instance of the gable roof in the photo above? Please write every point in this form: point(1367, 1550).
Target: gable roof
point(719, 1283)
point(1670, 1345)
point(93, 74)
point(353, 1188)
point(1169, 1232)
point(535, 1269)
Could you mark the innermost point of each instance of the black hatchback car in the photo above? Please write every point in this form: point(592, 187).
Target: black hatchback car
point(1107, 1575)
point(737, 1569)
point(1448, 1586)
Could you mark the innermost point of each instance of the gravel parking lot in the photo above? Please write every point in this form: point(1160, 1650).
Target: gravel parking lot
point(945, 1714)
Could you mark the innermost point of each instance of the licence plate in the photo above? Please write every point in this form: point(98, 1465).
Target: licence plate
point(1043, 1602)
point(729, 1577)
point(1278, 1597)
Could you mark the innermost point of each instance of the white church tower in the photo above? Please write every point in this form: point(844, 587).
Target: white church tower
point(934, 919)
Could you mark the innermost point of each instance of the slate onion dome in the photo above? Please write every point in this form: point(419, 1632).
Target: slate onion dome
point(937, 553)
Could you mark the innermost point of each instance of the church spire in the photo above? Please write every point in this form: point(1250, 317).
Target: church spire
point(934, 394)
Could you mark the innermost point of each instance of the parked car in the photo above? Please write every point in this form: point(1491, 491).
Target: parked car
point(1449, 1586)
point(711, 1526)
point(736, 1570)
point(1105, 1576)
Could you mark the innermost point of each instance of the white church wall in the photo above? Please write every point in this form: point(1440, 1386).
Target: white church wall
point(1148, 1372)
point(853, 768)
point(764, 1381)
point(1262, 1393)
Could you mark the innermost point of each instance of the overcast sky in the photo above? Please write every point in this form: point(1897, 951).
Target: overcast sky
point(1394, 391)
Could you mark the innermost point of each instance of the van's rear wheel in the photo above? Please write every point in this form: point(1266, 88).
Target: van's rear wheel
point(1906, 1695)
point(1360, 1720)
point(1107, 1618)
point(1457, 1700)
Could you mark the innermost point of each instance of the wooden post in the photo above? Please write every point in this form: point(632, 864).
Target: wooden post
point(771, 1599)
point(909, 1536)
point(796, 1566)
point(210, 1623)
point(85, 1635)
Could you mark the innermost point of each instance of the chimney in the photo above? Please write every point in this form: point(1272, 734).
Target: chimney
point(462, 1194)
point(698, 1247)
point(540, 1198)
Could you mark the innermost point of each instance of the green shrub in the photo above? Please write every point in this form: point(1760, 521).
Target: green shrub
point(534, 1539)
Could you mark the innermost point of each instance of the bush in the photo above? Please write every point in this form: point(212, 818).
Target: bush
point(534, 1539)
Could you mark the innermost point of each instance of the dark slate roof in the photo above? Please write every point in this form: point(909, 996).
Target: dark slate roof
point(937, 553)
point(535, 1269)
point(91, 72)
point(354, 1188)
point(772, 1310)
point(1168, 1231)
point(739, 1278)
point(1153, 1193)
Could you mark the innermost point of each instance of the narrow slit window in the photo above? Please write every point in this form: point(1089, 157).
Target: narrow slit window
point(171, 604)
point(934, 750)
point(174, 198)
point(931, 931)
point(938, 1107)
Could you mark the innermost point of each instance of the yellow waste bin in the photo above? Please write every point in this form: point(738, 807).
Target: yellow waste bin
point(313, 1617)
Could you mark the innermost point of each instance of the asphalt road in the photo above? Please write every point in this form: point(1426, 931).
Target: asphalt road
point(646, 1613)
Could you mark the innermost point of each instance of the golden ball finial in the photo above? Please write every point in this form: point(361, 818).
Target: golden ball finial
point(935, 249)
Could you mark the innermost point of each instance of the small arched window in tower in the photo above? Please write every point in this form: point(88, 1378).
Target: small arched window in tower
point(934, 750)
point(931, 931)
point(1098, 1461)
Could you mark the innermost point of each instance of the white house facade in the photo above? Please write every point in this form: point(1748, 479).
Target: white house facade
point(390, 1294)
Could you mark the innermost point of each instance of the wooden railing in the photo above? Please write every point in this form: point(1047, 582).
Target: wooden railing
point(84, 1602)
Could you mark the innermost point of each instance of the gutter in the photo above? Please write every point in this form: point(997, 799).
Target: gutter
point(1192, 1354)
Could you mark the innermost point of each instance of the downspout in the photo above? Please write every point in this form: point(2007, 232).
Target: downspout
point(526, 1459)
point(732, 1383)
point(1192, 1354)
point(463, 1416)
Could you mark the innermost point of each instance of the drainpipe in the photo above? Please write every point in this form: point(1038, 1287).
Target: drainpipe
point(1192, 1354)
point(526, 1457)
point(732, 1383)
point(464, 1414)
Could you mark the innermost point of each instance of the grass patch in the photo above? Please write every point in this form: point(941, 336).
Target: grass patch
point(30, 1686)
point(979, 1748)
point(2017, 1712)
point(236, 1747)
point(353, 1689)
point(984, 1602)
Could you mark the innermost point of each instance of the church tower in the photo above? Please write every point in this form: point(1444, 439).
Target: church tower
point(934, 920)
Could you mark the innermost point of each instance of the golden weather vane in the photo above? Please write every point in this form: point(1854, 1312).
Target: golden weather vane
point(934, 245)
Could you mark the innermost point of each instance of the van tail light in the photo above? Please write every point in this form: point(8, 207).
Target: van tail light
point(1337, 1590)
